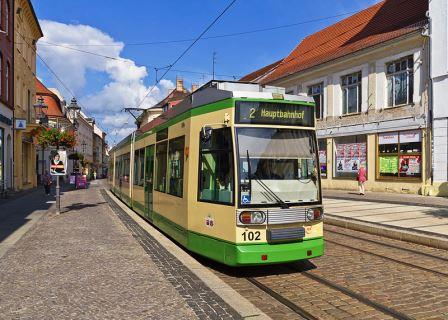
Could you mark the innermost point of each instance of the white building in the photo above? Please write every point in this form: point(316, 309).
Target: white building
point(438, 13)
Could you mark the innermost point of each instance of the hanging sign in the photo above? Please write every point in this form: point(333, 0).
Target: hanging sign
point(20, 124)
point(58, 163)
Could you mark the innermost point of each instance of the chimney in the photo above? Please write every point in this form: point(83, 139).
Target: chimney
point(194, 87)
point(179, 84)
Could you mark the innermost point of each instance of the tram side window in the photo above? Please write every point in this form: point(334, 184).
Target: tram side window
point(176, 166)
point(216, 167)
point(126, 167)
point(139, 166)
point(161, 163)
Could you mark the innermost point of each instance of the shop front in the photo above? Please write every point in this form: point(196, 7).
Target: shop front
point(394, 160)
point(5, 148)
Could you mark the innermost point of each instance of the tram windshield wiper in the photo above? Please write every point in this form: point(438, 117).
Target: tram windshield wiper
point(279, 200)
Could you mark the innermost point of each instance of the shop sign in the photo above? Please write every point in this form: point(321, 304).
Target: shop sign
point(410, 136)
point(389, 164)
point(410, 165)
point(350, 156)
point(388, 138)
point(20, 124)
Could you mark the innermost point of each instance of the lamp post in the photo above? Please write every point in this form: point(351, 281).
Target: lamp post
point(40, 109)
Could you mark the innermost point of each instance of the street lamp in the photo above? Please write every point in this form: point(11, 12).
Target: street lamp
point(40, 109)
point(73, 112)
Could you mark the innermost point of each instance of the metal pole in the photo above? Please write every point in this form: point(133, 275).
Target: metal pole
point(58, 197)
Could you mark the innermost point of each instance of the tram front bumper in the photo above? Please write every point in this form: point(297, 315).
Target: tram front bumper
point(240, 255)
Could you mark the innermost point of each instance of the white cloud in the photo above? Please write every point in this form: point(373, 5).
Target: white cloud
point(125, 88)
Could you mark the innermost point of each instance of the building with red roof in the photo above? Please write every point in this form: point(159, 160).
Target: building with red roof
point(369, 77)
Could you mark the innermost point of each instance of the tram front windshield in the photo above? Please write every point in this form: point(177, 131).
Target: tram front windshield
point(277, 166)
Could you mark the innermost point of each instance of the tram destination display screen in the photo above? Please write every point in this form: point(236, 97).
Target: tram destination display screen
point(272, 113)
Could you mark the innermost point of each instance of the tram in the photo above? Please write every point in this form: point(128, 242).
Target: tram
point(230, 173)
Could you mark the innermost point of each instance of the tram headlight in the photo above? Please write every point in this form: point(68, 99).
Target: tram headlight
point(252, 217)
point(314, 214)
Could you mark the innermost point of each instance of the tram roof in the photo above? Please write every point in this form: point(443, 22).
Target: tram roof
point(217, 90)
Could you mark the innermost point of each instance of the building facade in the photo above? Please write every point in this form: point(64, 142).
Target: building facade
point(84, 141)
point(438, 31)
point(99, 151)
point(6, 94)
point(26, 33)
point(369, 76)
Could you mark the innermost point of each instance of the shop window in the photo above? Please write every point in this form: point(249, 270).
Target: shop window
point(317, 93)
point(176, 166)
point(139, 167)
point(399, 154)
point(351, 93)
point(323, 157)
point(216, 167)
point(400, 81)
point(350, 154)
point(161, 163)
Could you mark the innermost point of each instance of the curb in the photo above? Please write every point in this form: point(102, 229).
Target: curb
point(396, 233)
point(240, 304)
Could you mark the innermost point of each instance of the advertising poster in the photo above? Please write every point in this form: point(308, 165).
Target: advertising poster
point(389, 165)
point(323, 162)
point(349, 157)
point(410, 165)
point(58, 163)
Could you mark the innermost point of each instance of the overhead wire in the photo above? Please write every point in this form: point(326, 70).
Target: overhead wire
point(187, 49)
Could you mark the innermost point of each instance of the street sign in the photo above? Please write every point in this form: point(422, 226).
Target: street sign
point(58, 163)
point(20, 124)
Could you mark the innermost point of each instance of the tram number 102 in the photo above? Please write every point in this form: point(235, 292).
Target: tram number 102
point(251, 235)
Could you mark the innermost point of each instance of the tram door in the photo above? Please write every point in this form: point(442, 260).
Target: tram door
point(149, 181)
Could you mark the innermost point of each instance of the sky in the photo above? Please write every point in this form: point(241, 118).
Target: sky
point(121, 31)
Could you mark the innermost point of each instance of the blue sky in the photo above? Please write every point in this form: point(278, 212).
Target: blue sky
point(104, 85)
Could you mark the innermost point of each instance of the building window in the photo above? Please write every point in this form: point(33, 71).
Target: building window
point(351, 93)
point(1, 74)
point(7, 82)
point(400, 82)
point(161, 164)
point(399, 155)
point(29, 107)
point(139, 167)
point(216, 167)
point(7, 17)
point(323, 157)
point(317, 92)
point(176, 166)
point(350, 154)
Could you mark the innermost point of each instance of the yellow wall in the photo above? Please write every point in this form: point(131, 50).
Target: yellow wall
point(26, 33)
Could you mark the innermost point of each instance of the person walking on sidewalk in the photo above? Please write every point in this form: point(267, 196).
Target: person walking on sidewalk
point(47, 181)
point(362, 179)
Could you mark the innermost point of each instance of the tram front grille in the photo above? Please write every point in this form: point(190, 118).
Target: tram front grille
point(286, 234)
point(283, 216)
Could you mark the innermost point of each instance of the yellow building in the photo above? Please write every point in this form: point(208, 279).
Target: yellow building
point(26, 33)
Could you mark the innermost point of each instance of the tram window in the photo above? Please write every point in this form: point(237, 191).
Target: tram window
point(216, 168)
point(162, 135)
point(126, 167)
point(139, 165)
point(176, 166)
point(161, 163)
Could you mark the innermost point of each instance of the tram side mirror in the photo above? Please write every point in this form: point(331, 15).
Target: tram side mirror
point(206, 133)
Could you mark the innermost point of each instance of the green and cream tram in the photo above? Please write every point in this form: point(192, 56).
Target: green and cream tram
point(230, 173)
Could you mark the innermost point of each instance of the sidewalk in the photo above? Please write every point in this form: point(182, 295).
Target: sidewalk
point(94, 262)
point(412, 218)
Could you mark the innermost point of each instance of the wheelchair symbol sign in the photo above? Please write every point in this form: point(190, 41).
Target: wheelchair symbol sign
point(245, 199)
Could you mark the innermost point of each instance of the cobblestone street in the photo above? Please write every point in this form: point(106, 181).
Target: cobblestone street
point(94, 261)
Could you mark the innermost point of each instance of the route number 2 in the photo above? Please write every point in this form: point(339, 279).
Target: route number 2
point(251, 236)
point(252, 113)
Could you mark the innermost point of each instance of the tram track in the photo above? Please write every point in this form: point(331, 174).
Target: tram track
point(304, 313)
point(382, 256)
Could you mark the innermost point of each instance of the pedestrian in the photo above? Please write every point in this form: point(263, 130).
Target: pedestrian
point(47, 181)
point(362, 179)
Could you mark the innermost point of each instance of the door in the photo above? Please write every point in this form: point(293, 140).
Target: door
point(149, 181)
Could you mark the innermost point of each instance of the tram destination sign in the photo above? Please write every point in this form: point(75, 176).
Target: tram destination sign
point(274, 113)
